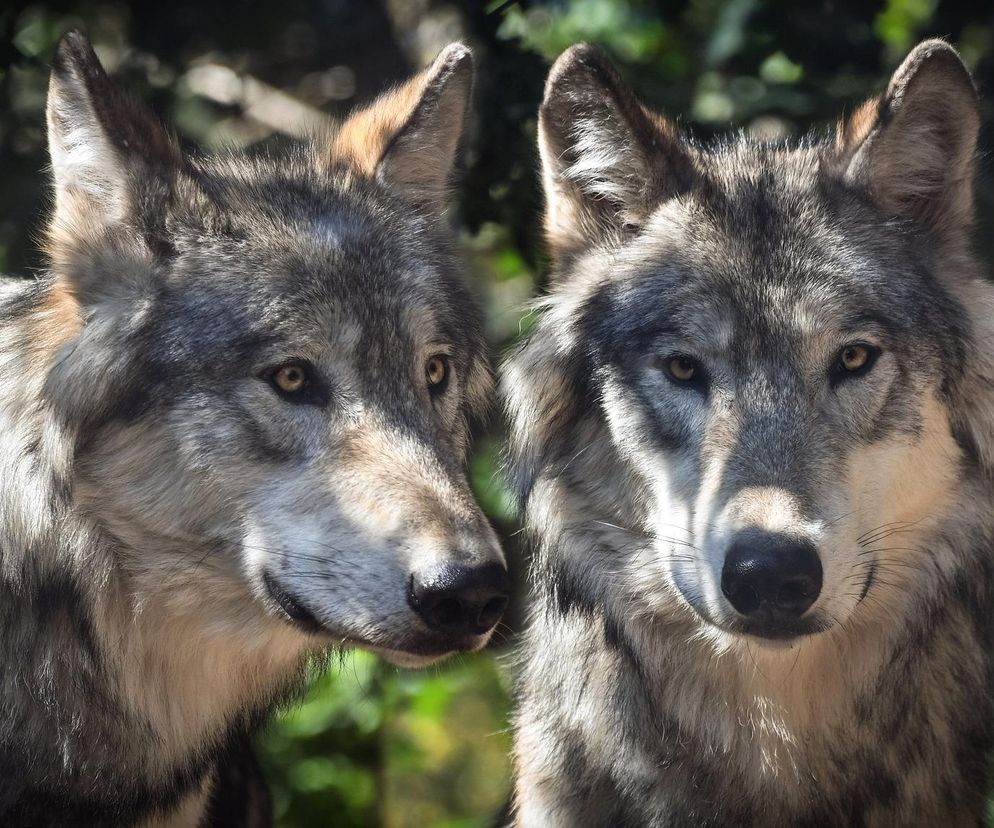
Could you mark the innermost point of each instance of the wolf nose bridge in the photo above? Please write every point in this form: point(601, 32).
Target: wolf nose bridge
point(771, 575)
point(459, 599)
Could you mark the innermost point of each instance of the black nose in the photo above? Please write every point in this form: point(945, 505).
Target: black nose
point(461, 600)
point(771, 575)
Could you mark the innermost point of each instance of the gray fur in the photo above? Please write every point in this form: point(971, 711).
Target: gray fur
point(155, 486)
point(645, 699)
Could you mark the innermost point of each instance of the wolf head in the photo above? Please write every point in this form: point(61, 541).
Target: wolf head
point(757, 365)
point(275, 367)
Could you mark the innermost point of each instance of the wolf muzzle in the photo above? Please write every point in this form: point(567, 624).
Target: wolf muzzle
point(771, 580)
point(458, 600)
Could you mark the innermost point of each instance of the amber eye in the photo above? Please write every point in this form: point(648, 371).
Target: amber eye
point(854, 357)
point(682, 368)
point(290, 378)
point(437, 372)
point(853, 361)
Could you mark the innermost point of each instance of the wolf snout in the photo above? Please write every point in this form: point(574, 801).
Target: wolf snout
point(461, 600)
point(771, 579)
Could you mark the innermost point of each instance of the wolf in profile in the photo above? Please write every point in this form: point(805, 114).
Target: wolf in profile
point(233, 426)
point(753, 431)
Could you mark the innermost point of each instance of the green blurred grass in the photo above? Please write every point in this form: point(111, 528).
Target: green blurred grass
point(372, 744)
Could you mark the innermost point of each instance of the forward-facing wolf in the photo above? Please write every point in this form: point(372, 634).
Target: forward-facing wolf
point(754, 434)
point(233, 422)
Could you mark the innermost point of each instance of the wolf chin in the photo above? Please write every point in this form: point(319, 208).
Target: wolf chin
point(753, 433)
point(233, 427)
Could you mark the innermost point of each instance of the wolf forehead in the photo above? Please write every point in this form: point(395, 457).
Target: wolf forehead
point(268, 253)
point(768, 244)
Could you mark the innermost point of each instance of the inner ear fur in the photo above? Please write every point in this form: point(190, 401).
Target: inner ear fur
point(912, 149)
point(409, 137)
point(113, 164)
point(607, 161)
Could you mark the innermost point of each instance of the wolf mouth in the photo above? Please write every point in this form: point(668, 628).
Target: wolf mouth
point(778, 633)
point(294, 611)
point(421, 646)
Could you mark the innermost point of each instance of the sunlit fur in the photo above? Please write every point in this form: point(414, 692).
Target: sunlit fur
point(643, 700)
point(152, 477)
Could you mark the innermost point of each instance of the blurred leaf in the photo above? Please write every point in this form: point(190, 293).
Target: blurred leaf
point(729, 33)
point(37, 32)
point(616, 24)
point(901, 21)
point(778, 68)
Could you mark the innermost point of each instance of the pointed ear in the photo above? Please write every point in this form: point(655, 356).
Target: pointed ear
point(607, 162)
point(111, 160)
point(409, 136)
point(912, 149)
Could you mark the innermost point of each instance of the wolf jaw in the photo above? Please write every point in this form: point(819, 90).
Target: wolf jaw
point(223, 452)
point(681, 391)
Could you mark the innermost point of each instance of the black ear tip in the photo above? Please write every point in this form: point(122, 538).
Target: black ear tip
point(581, 64)
point(582, 53)
point(456, 56)
point(937, 58)
point(454, 68)
point(74, 54)
point(935, 46)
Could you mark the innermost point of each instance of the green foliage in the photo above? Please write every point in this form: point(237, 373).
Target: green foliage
point(628, 31)
point(373, 745)
point(900, 22)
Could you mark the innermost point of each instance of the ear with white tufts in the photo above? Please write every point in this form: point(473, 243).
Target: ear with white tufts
point(112, 161)
point(408, 138)
point(607, 162)
point(912, 149)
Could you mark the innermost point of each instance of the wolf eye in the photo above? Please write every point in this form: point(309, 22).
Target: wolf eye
point(854, 360)
point(291, 379)
point(854, 357)
point(437, 373)
point(297, 381)
point(682, 368)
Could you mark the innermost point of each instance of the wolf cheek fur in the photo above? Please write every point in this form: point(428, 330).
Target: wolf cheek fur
point(757, 350)
point(234, 423)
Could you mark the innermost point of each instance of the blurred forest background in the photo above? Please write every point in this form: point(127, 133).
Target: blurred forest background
point(373, 745)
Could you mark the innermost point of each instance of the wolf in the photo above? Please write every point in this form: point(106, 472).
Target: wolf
point(234, 420)
point(753, 436)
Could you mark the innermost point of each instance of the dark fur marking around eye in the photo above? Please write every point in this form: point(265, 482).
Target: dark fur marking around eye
point(314, 390)
point(694, 376)
point(437, 374)
point(839, 373)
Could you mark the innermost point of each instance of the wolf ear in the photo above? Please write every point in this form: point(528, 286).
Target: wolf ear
point(110, 158)
point(607, 162)
point(913, 148)
point(409, 136)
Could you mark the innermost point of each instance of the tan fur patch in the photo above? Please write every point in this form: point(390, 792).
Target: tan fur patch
point(916, 480)
point(409, 135)
point(852, 131)
point(363, 139)
point(56, 322)
point(913, 148)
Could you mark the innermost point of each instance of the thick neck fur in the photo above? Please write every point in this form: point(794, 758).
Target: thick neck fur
point(115, 659)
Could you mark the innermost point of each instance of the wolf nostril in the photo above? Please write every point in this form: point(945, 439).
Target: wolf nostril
point(796, 593)
point(492, 612)
point(772, 575)
point(460, 600)
point(745, 600)
point(447, 612)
